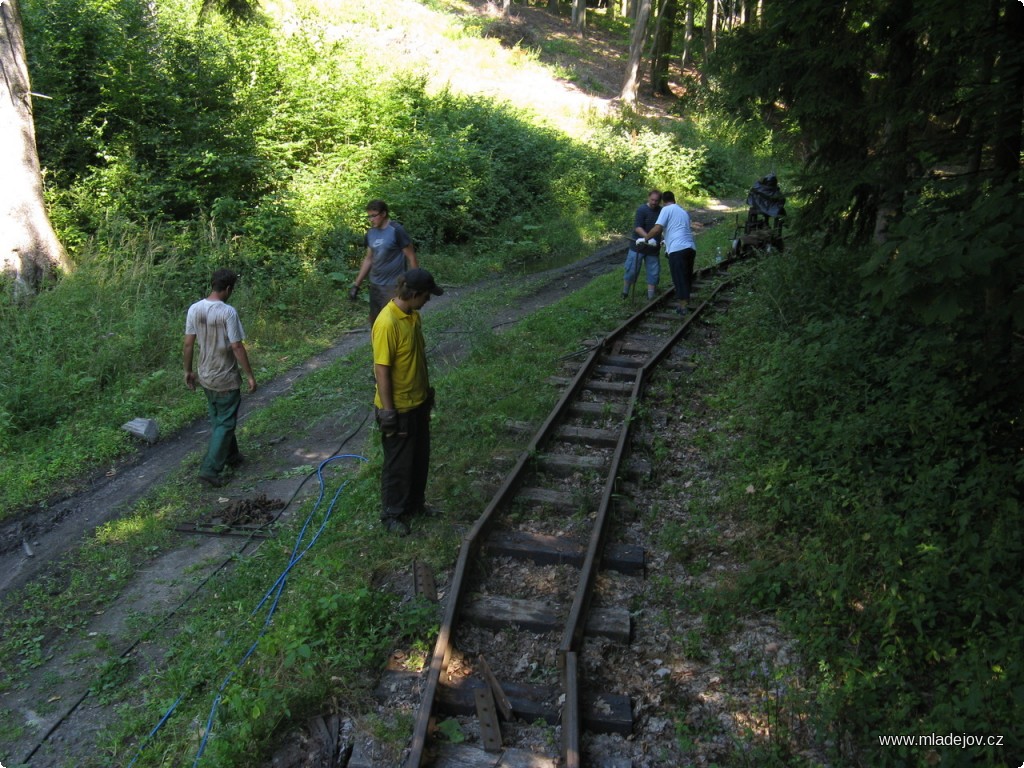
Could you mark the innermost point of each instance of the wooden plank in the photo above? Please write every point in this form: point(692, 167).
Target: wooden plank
point(643, 338)
point(621, 361)
point(529, 702)
point(598, 410)
point(639, 469)
point(487, 716)
point(500, 699)
point(616, 387)
point(557, 550)
point(587, 436)
point(557, 499)
point(603, 712)
point(520, 427)
point(617, 371)
point(596, 385)
point(677, 366)
point(497, 612)
point(468, 756)
point(423, 581)
point(564, 464)
point(637, 347)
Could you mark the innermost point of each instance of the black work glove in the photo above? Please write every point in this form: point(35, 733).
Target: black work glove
point(353, 293)
point(431, 398)
point(388, 422)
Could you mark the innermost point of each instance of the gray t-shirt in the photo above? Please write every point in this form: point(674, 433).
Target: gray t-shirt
point(388, 261)
point(216, 327)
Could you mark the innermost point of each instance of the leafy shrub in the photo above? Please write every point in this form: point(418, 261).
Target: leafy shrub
point(892, 493)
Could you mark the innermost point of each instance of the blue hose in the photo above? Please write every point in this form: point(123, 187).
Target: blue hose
point(275, 591)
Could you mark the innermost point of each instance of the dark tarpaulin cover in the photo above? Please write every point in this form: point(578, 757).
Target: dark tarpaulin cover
point(765, 197)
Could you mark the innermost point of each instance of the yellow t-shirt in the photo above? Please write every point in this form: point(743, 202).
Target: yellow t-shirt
point(398, 343)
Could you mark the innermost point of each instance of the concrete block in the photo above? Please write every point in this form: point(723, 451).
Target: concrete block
point(147, 429)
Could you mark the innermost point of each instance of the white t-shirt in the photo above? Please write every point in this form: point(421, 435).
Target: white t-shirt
point(676, 223)
point(216, 327)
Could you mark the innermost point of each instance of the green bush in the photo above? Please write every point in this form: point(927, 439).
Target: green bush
point(892, 497)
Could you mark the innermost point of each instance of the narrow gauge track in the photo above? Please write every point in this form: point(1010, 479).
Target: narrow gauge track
point(531, 562)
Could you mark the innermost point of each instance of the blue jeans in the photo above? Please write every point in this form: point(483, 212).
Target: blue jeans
point(222, 408)
point(680, 264)
point(650, 261)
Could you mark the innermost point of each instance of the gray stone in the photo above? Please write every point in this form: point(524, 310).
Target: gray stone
point(147, 429)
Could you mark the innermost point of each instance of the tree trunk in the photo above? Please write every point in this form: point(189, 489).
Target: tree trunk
point(663, 47)
point(579, 15)
point(893, 155)
point(29, 249)
point(1008, 77)
point(687, 59)
point(631, 85)
point(709, 29)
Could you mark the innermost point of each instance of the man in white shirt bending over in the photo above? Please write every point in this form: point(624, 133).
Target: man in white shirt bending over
point(679, 245)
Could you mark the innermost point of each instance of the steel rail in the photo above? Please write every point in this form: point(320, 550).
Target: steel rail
point(471, 544)
point(572, 638)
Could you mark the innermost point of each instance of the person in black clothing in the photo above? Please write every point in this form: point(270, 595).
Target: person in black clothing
point(645, 249)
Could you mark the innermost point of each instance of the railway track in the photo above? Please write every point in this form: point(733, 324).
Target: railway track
point(524, 594)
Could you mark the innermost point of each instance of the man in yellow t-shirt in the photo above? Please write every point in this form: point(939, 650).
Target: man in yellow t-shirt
point(403, 399)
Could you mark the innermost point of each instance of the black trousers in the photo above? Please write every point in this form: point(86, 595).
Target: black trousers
point(403, 480)
point(680, 266)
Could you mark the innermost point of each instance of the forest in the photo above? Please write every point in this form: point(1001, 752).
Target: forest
point(873, 377)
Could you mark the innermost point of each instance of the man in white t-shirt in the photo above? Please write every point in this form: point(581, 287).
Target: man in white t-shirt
point(215, 324)
point(679, 245)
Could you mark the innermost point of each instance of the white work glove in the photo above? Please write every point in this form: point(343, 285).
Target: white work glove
point(652, 242)
point(640, 241)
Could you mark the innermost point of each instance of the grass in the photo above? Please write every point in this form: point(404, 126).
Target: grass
point(331, 630)
point(95, 574)
point(308, 655)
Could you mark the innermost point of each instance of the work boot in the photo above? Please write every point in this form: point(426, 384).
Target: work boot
point(213, 482)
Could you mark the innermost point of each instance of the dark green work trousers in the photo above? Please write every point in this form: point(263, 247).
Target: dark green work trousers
point(222, 408)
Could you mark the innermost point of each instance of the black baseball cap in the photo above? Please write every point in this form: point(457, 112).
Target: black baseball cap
point(420, 280)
